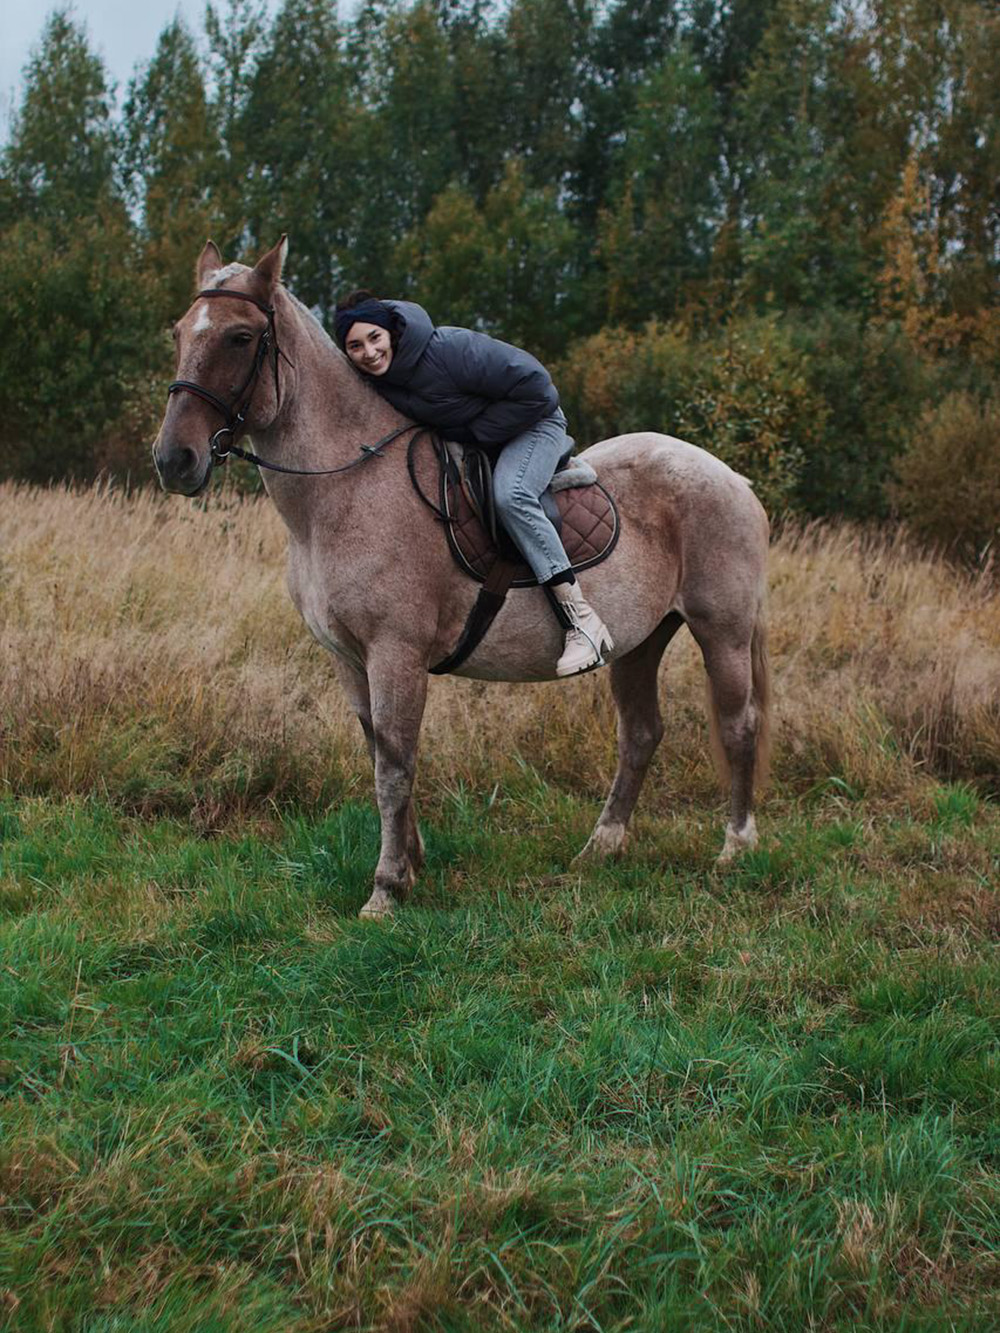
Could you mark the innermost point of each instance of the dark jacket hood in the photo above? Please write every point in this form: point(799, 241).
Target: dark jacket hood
point(412, 341)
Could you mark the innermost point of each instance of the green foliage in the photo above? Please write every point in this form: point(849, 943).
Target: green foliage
point(505, 266)
point(949, 476)
point(874, 384)
point(742, 393)
point(171, 161)
point(299, 127)
point(61, 155)
point(79, 349)
point(656, 240)
point(543, 167)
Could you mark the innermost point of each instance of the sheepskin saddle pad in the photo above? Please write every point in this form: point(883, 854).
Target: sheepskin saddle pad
point(581, 510)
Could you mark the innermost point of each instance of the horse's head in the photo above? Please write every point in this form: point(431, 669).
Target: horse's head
point(226, 379)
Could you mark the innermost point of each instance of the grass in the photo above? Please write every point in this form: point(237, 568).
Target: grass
point(647, 1096)
point(652, 1096)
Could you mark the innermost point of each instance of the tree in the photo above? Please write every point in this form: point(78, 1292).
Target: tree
point(60, 159)
point(234, 42)
point(299, 130)
point(804, 233)
point(79, 326)
point(656, 238)
point(627, 42)
point(502, 267)
point(545, 48)
point(171, 162)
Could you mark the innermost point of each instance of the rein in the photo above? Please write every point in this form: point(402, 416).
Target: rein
point(235, 417)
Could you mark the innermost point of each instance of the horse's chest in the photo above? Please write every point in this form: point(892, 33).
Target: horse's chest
point(313, 602)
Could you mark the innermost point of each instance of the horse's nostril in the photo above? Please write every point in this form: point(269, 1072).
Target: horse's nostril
point(186, 460)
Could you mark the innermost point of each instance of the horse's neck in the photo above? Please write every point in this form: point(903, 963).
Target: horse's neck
point(327, 414)
point(334, 410)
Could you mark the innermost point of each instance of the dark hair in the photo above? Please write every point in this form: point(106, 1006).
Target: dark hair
point(392, 322)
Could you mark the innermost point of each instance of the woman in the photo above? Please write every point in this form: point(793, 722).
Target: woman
point(477, 390)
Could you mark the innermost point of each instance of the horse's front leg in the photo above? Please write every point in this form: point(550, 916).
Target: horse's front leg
point(397, 687)
point(354, 683)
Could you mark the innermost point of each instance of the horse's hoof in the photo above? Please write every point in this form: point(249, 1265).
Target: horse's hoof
point(737, 841)
point(379, 907)
point(607, 840)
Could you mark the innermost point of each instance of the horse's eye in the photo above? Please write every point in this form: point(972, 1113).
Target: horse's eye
point(240, 339)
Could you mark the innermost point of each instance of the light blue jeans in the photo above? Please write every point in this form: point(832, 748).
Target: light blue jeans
point(524, 469)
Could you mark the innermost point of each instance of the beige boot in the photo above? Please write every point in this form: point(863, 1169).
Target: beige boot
point(587, 639)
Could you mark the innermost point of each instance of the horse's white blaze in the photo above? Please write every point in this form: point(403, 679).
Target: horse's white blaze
point(204, 321)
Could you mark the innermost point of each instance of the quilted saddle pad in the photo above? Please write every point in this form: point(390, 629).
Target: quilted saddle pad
point(587, 524)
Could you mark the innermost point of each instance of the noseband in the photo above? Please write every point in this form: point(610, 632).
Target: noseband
point(235, 414)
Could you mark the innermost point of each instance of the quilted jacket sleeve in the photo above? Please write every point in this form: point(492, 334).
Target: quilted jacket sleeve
point(517, 388)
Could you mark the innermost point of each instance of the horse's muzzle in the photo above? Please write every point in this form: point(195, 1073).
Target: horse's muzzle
point(180, 468)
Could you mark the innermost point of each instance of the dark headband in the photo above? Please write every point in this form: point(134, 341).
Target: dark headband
point(368, 312)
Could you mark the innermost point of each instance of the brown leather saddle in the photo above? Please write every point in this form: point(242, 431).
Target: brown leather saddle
point(578, 506)
point(581, 510)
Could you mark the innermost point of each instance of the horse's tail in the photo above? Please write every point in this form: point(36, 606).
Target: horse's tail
point(760, 663)
point(760, 699)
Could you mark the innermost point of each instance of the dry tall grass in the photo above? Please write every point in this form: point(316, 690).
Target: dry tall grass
point(149, 650)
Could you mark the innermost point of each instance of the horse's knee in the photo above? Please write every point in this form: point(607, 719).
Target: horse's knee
point(739, 733)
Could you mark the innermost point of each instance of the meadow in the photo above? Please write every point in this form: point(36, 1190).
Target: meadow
point(648, 1095)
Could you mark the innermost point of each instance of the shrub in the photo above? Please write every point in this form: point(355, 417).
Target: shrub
point(741, 393)
point(874, 385)
point(948, 479)
point(80, 349)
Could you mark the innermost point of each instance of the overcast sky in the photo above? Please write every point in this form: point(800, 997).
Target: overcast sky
point(122, 32)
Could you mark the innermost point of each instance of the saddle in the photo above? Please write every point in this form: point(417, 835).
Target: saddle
point(577, 505)
point(580, 509)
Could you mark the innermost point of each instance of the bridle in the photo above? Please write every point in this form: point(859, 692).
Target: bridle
point(235, 414)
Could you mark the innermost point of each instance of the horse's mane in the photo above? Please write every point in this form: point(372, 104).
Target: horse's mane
point(303, 309)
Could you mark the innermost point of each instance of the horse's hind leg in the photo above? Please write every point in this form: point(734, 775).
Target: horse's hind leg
point(640, 729)
point(738, 674)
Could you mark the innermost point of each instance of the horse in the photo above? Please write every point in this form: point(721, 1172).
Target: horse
point(371, 574)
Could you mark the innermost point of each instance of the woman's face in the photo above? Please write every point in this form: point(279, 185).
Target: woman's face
point(369, 347)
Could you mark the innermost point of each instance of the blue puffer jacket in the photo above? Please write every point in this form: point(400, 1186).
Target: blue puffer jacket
point(470, 387)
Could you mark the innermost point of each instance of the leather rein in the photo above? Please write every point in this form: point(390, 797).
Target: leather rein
point(235, 414)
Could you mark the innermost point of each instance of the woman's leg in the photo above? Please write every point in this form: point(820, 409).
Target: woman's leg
point(524, 469)
point(526, 465)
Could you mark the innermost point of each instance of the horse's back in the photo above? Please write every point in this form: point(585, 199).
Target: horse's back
point(656, 476)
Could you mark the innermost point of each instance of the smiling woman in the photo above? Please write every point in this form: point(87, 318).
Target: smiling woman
point(368, 331)
point(477, 390)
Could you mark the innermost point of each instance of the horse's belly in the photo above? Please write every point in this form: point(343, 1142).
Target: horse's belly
point(632, 591)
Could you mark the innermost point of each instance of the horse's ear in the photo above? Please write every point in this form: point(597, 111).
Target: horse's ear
point(209, 261)
point(269, 267)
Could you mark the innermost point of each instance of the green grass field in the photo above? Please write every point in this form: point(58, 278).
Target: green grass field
point(648, 1096)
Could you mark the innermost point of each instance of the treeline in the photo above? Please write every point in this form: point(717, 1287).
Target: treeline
point(768, 225)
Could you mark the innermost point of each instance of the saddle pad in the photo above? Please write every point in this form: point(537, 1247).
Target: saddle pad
point(589, 529)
